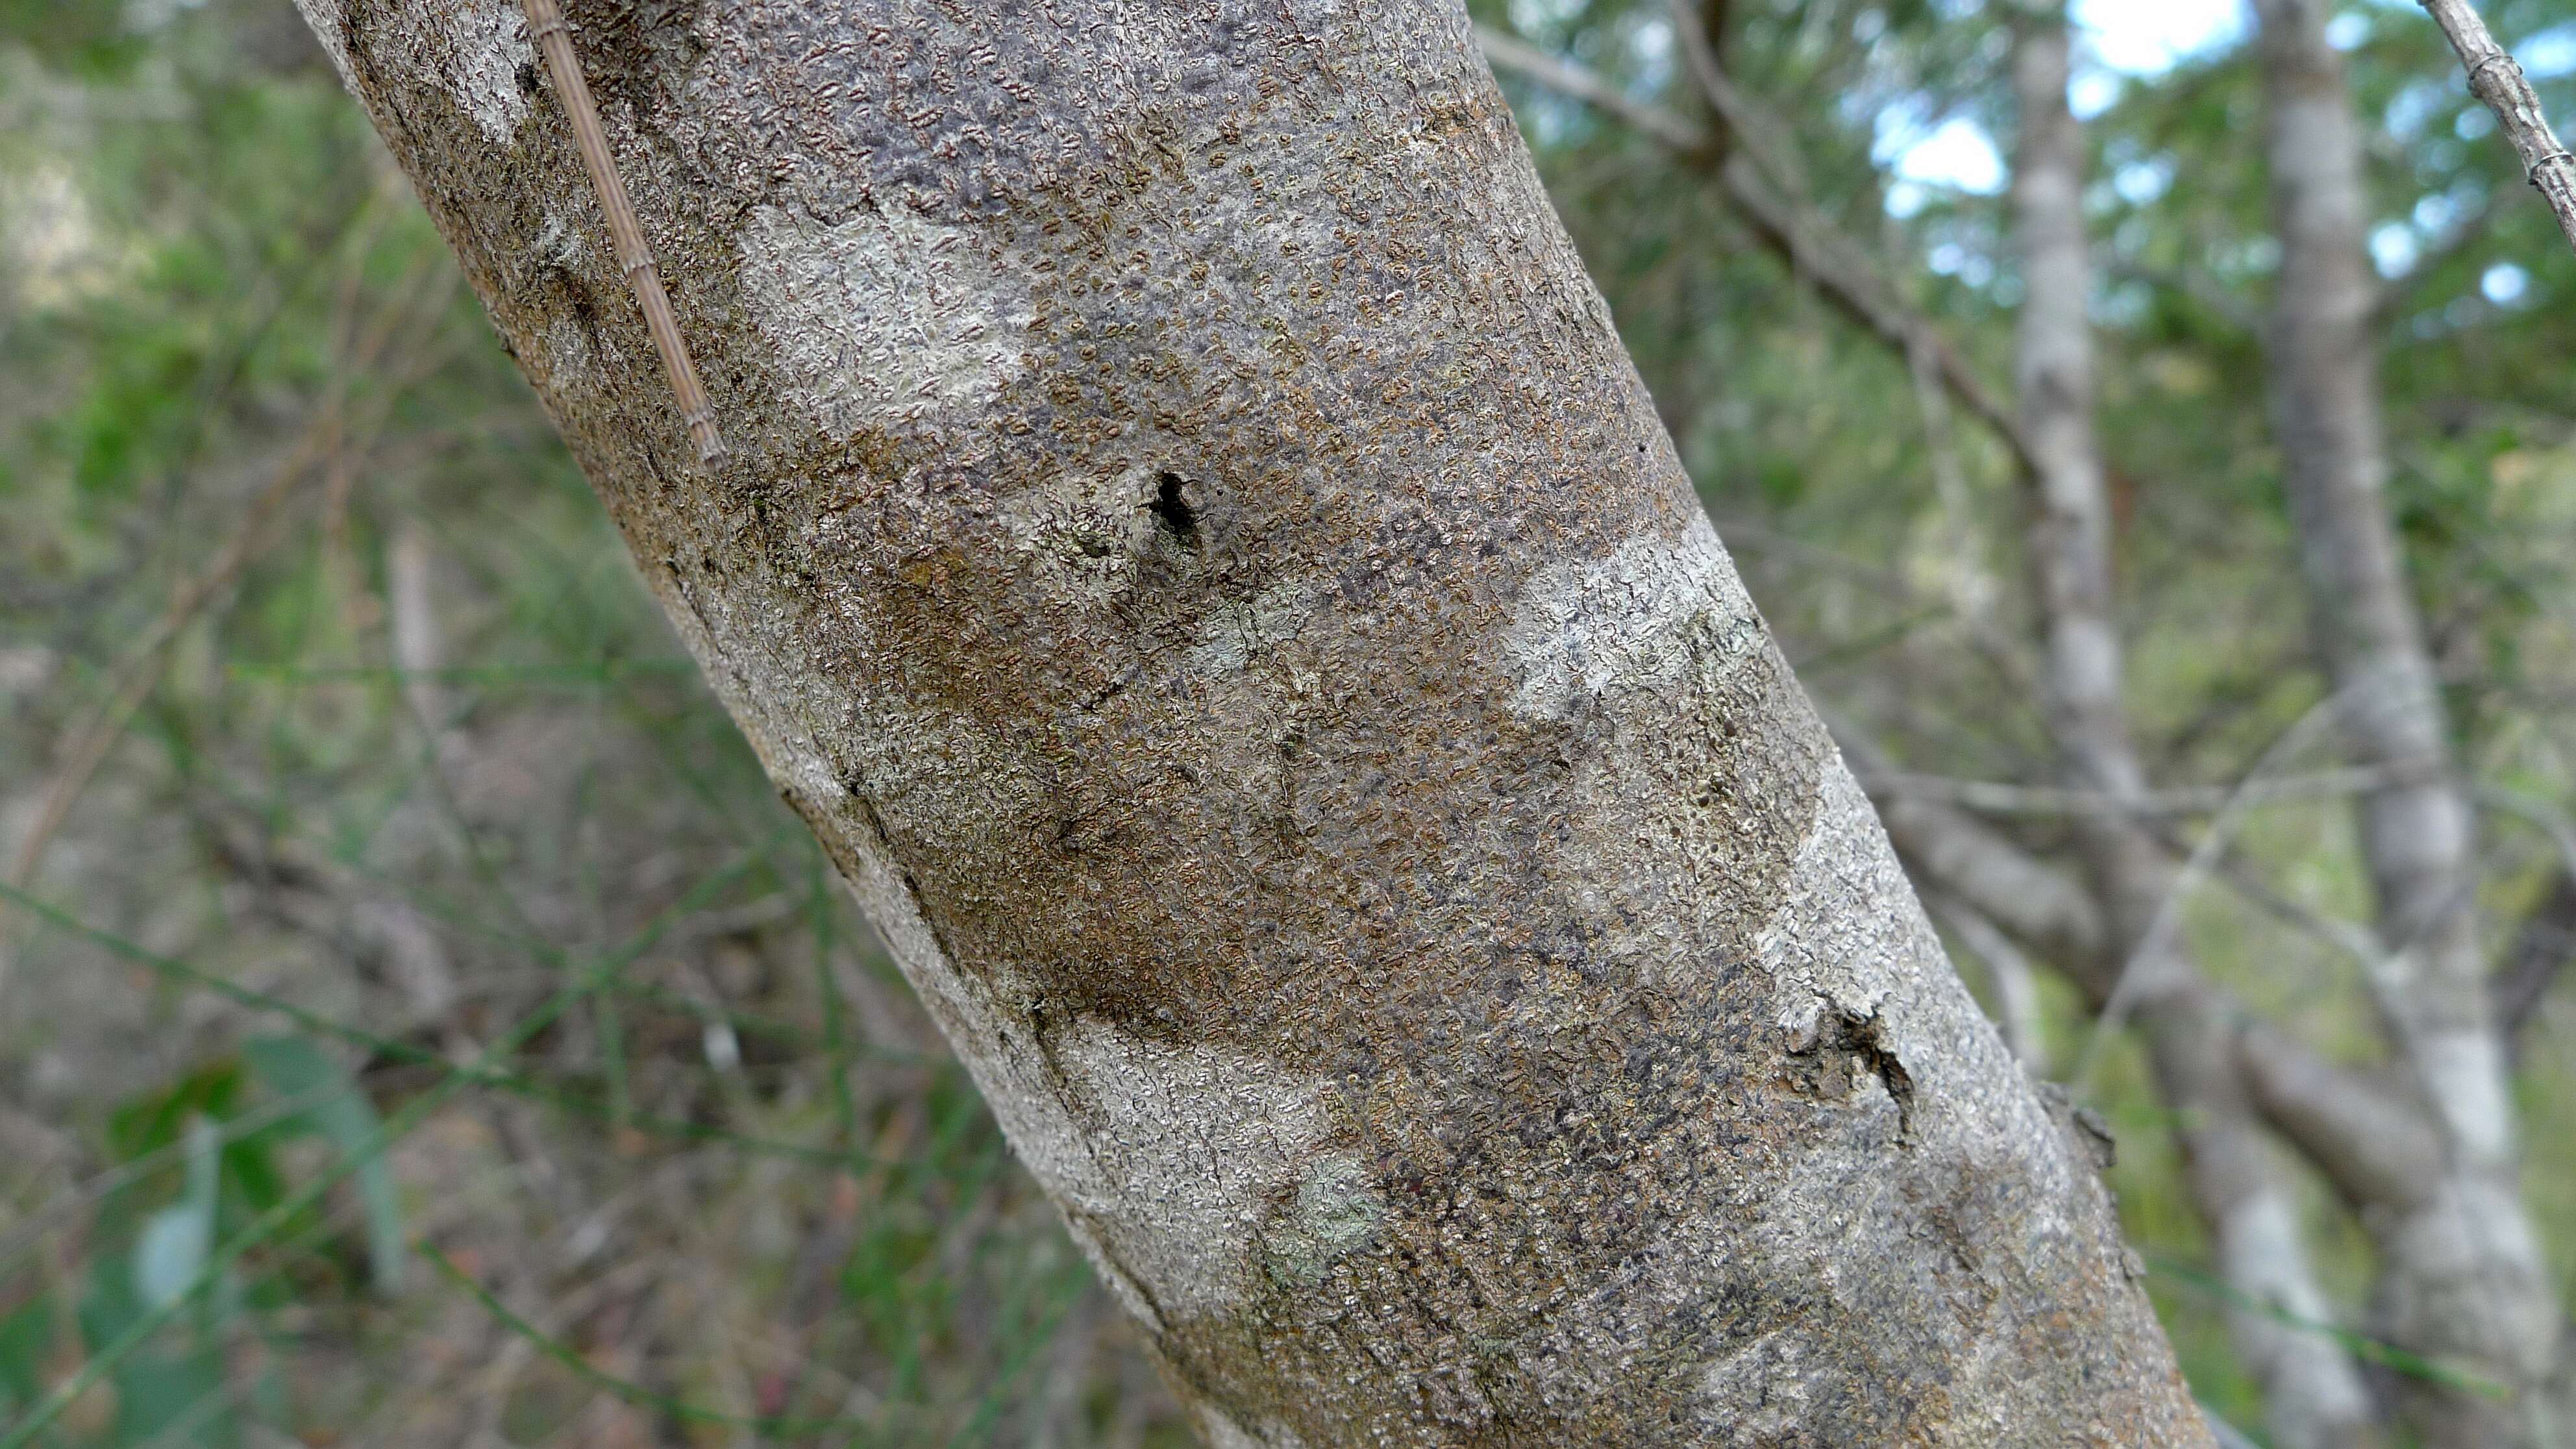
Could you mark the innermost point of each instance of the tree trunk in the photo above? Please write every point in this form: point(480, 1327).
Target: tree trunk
point(2312, 1391)
point(1194, 549)
point(2462, 1272)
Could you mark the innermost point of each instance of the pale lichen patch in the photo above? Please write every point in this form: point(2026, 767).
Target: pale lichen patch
point(1230, 638)
point(1193, 1144)
point(1625, 621)
point(1337, 1210)
point(938, 778)
point(478, 48)
point(1829, 945)
point(884, 318)
point(1080, 533)
point(1759, 1391)
point(569, 360)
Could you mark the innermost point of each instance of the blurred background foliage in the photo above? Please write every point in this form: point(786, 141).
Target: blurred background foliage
point(409, 950)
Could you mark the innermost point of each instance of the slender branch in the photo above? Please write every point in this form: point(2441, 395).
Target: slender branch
point(2496, 78)
point(2017, 1008)
point(1503, 52)
point(1811, 245)
point(2369, 1142)
point(2541, 949)
point(547, 28)
point(2551, 820)
point(1990, 797)
point(2130, 980)
point(1962, 856)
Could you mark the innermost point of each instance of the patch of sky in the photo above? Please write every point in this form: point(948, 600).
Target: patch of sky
point(2416, 104)
point(1951, 259)
point(2093, 91)
point(2505, 284)
point(2141, 182)
point(2393, 248)
point(2121, 38)
point(1650, 46)
point(2548, 54)
point(2150, 37)
point(1955, 153)
point(2348, 30)
point(1543, 21)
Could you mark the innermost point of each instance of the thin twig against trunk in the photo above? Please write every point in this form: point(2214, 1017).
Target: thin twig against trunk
point(2496, 78)
point(546, 27)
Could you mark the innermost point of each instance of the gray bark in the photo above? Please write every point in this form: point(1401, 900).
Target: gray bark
point(2496, 78)
point(2313, 1392)
point(1194, 549)
point(2462, 1275)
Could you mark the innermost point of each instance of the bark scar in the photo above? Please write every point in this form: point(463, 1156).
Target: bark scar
point(1824, 1051)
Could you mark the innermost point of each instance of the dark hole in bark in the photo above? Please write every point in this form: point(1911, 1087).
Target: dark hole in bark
point(1173, 511)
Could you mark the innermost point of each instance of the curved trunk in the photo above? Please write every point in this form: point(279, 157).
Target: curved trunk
point(2312, 1390)
point(2462, 1272)
point(1195, 551)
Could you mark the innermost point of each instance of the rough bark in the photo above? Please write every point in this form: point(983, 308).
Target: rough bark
point(1194, 549)
point(2462, 1274)
point(2496, 78)
point(2313, 1392)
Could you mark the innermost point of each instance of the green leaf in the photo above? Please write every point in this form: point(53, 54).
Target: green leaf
point(26, 1342)
point(177, 1398)
point(296, 1069)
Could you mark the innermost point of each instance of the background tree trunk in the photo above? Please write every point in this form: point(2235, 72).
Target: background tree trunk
point(1196, 552)
point(2462, 1273)
point(2314, 1394)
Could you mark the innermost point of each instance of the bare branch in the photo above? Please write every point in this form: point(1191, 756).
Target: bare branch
point(2016, 982)
point(2369, 1143)
point(1957, 854)
point(2496, 78)
point(1992, 797)
point(1811, 245)
point(2541, 949)
point(1506, 53)
point(2151, 947)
